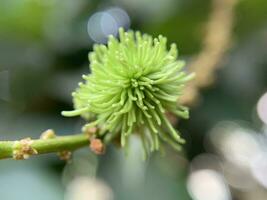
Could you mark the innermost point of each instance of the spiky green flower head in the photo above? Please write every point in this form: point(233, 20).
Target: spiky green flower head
point(134, 81)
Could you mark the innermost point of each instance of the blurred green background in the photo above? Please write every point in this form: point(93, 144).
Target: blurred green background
point(44, 49)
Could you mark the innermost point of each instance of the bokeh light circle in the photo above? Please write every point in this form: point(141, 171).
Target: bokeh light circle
point(102, 24)
point(262, 108)
point(207, 184)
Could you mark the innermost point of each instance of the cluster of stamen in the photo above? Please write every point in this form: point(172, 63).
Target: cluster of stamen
point(134, 82)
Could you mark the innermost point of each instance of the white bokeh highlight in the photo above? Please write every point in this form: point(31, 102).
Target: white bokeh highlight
point(104, 23)
point(236, 144)
point(259, 168)
point(207, 184)
point(262, 108)
point(88, 189)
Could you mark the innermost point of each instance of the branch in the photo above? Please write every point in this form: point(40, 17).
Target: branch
point(216, 42)
point(24, 148)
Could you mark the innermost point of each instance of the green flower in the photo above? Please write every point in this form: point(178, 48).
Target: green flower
point(134, 81)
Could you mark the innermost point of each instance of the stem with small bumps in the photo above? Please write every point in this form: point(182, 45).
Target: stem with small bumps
point(44, 146)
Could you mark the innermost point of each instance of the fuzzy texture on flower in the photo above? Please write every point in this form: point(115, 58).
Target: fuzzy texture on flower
point(134, 81)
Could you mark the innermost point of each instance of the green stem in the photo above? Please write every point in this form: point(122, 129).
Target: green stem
point(43, 146)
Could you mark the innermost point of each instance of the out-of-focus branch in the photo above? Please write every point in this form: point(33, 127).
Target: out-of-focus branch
point(216, 42)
